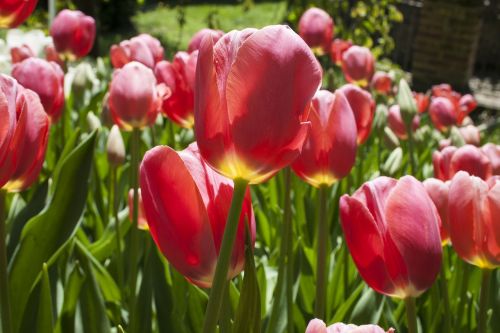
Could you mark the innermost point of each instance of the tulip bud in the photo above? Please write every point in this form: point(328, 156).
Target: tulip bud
point(380, 119)
point(115, 147)
point(73, 33)
point(493, 152)
point(363, 107)
point(15, 12)
point(93, 122)
point(474, 208)
point(83, 80)
point(316, 28)
point(391, 140)
point(391, 230)
point(456, 137)
point(358, 65)
point(397, 124)
point(195, 42)
point(142, 223)
point(406, 103)
point(393, 163)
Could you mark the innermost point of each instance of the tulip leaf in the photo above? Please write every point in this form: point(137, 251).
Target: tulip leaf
point(45, 320)
point(105, 246)
point(247, 318)
point(44, 234)
point(142, 318)
point(343, 310)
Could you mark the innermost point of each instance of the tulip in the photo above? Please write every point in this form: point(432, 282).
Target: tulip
point(318, 326)
point(443, 113)
point(467, 158)
point(115, 147)
point(186, 204)
point(471, 135)
point(23, 144)
point(438, 192)
point(337, 49)
point(93, 122)
point(391, 230)
point(179, 76)
point(52, 55)
point(363, 107)
point(195, 42)
point(20, 53)
point(15, 12)
point(467, 104)
point(316, 28)
point(73, 33)
point(252, 99)
point(382, 83)
point(397, 125)
point(142, 223)
point(134, 98)
point(143, 48)
point(493, 152)
point(47, 80)
point(329, 151)
point(422, 101)
point(474, 218)
point(358, 65)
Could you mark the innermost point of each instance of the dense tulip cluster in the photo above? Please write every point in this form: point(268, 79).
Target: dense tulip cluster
point(467, 158)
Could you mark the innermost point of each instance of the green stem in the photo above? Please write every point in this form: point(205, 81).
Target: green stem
point(114, 201)
point(411, 314)
point(220, 279)
point(345, 263)
point(225, 322)
point(288, 240)
point(411, 155)
point(4, 278)
point(463, 293)
point(446, 298)
point(134, 231)
point(322, 243)
point(483, 301)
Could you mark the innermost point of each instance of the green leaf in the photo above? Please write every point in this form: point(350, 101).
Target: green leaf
point(341, 313)
point(48, 231)
point(247, 318)
point(142, 318)
point(45, 322)
point(105, 246)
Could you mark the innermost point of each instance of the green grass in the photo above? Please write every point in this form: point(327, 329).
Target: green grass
point(163, 23)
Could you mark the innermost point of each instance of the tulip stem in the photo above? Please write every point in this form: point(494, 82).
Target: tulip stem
point(113, 202)
point(134, 231)
point(288, 240)
point(411, 155)
point(483, 301)
point(446, 298)
point(411, 314)
point(322, 244)
point(220, 279)
point(4, 278)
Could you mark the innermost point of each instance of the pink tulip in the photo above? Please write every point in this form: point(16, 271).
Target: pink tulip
point(52, 55)
point(47, 80)
point(397, 125)
point(438, 192)
point(493, 152)
point(20, 53)
point(318, 326)
point(363, 107)
point(443, 113)
point(329, 151)
point(467, 104)
point(467, 158)
point(382, 83)
point(186, 204)
point(179, 76)
point(195, 42)
point(358, 65)
point(134, 97)
point(337, 49)
point(422, 101)
point(474, 212)
point(73, 33)
point(391, 229)
point(142, 222)
point(143, 48)
point(15, 12)
point(316, 28)
point(471, 135)
point(252, 97)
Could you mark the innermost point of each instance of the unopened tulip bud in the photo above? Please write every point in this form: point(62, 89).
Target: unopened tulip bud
point(456, 137)
point(93, 121)
point(115, 147)
point(391, 140)
point(406, 103)
point(380, 119)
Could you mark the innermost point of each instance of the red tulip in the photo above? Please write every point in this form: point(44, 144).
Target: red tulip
point(318, 326)
point(142, 222)
point(443, 113)
point(438, 192)
point(358, 65)
point(186, 205)
point(391, 230)
point(493, 152)
point(20, 53)
point(363, 107)
point(195, 42)
point(179, 76)
point(337, 49)
point(422, 101)
point(15, 12)
point(143, 48)
point(396, 123)
point(24, 133)
point(73, 33)
point(252, 97)
point(329, 151)
point(467, 104)
point(52, 55)
point(471, 135)
point(134, 97)
point(382, 83)
point(467, 158)
point(316, 28)
point(47, 80)
point(474, 208)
